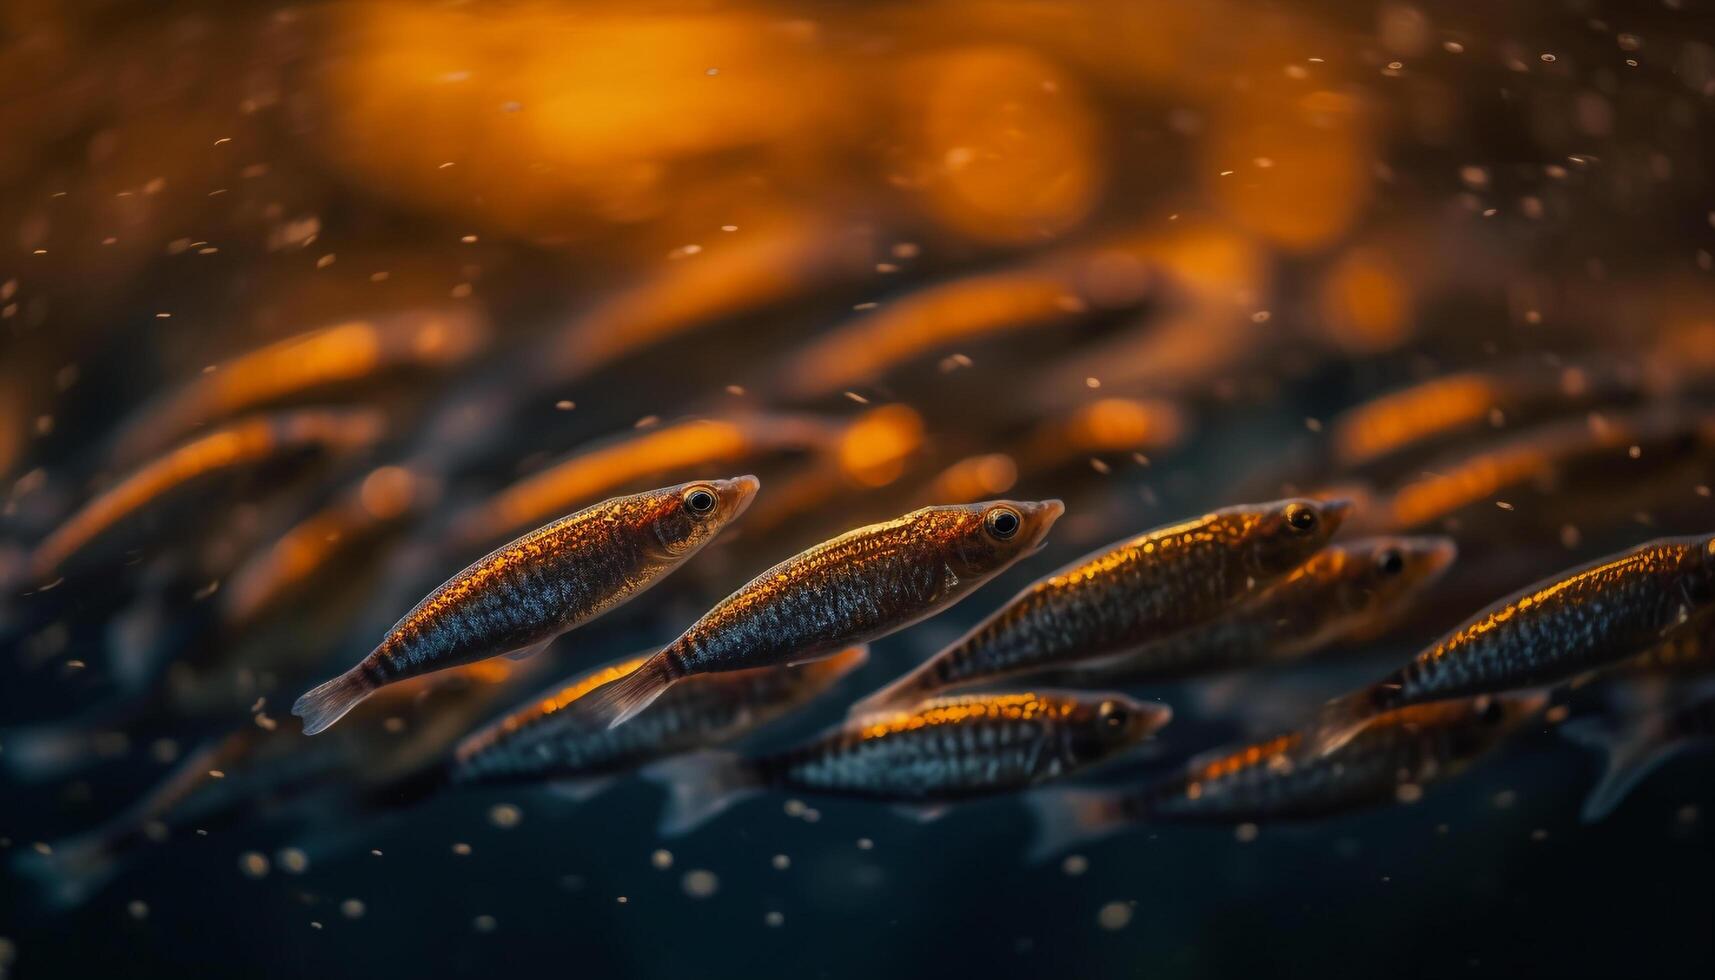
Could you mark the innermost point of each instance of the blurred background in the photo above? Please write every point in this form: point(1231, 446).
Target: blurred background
point(305, 306)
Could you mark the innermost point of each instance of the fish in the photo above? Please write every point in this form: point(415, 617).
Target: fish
point(939, 752)
point(1276, 779)
point(1347, 591)
point(1634, 747)
point(521, 596)
point(1126, 595)
point(1589, 617)
point(855, 588)
point(245, 442)
point(541, 741)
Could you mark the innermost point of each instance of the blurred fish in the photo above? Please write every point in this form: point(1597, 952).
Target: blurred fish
point(385, 495)
point(1633, 747)
point(1541, 457)
point(543, 742)
point(941, 751)
point(1436, 412)
point(333, 355)
point(519, 597)
point(1346, 591)
point(1589, 617)
point(242, 443)
point(1391, 759)
point(858, 587)
point(1129, 594)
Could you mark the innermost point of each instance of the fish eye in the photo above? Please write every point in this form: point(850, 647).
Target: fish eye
point(1300, 517)
point(699, 500)
point(1112, 714)
point(1003, 522)
point(1391, 562)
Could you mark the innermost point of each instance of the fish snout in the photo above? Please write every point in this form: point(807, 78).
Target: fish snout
point(742, 490)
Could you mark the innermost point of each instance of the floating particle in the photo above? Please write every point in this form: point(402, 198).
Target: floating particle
point(1570, 536)
point(461, 849)
point(774, 920)
point(484, 923)
point(376, 851)
point(1075, 864)
point(292, 861)
point(700, 883)
point(1114, 916)
point(737, 391)
point(1313, 424)
point(661, 859)
point(854, 396)
point(137, 909)
point(351, 908)
point(865, 844)
point(1504, 505)
point(1687, 814)
point(1505, 799)
point(811, 814)
point(794, 808)
point(780, 862)
point(314, 924)
point(1244, 833)
point(505, 815)
point(1092, 383)
point(565, 404)
point(253, 864)
point(164, 750)
point(1539, 835)
point(1408, 792)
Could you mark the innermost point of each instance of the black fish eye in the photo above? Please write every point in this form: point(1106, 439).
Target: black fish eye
point(699, 500)
point(1112, 713)
point(1391, 562)
point(1004, 522)
point(1300, 517)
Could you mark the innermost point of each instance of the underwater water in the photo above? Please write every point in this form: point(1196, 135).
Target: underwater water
point(1367, 349)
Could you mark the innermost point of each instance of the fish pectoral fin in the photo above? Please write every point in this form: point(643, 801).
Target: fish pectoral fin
point(922, 812)
point(580, 790)
point(525, 653)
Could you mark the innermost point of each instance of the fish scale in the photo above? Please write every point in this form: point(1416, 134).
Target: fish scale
point(1126, 595)
point(523, 594)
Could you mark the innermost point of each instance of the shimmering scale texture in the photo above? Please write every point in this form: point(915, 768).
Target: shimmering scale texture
point(1340, 591)
point(943, 750)
point(857, 587)
point(1595, 615)
point(1116, 600)
point(543, 741)
point(549, 581)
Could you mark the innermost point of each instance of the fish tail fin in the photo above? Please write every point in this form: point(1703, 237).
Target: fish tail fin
point(1341, 719)
point(902, 690)
point(700, 786)
point(326, 704)
point(72, 872)
point(1069, 817)
point(1630, 754)
point(618, 701)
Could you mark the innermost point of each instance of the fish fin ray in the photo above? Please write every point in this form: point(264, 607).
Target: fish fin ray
point(619, 700)
point(1630, 755)
point(700, 786)
point(328, 703)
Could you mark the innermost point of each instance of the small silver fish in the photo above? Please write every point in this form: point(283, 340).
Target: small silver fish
point(1277, 779)
point(1128, 594)
point(942, 751)
point(522, 595)
point(856, 588)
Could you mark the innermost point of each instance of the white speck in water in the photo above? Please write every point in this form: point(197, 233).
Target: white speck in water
point(774, 920)
point(461, 849)
point(351, 908)
point(781, 862)
point(253, 864)
point(484, 923)
point(1075, 864)
point(505, 815)
point(292, 861)
point(701, 883)
point(1114, 916)
point(662, 859)
point(138, 909)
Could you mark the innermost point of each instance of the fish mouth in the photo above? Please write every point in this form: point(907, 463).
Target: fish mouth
point(1439, 554)
point(1043, 514)
point(1335, 512)
point(744, 489)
